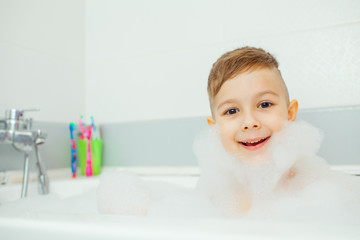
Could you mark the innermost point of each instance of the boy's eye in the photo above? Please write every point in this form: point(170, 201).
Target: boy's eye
point(231, 111)
point(265, 105)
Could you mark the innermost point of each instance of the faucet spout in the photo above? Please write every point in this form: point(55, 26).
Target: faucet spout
point(25, 176)
point(43, 177)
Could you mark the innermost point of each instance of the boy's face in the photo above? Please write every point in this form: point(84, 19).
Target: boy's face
point(249, 108)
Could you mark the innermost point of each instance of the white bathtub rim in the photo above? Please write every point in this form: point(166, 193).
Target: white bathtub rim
point(15, 177)
point(130, 227)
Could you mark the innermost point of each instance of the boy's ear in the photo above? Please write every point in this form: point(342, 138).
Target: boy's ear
point(210, 121)
point(293, 109)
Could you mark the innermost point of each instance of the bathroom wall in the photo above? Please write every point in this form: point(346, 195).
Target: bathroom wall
point(150, 59)
point(170, 142)
point(126, 61)
point(42, 58)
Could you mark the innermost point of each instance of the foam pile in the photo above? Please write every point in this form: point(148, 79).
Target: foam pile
point(290, 183)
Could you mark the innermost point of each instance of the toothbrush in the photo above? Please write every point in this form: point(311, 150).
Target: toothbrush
point(88, 168)
point(95, 132)
point(86, 134)
point(81, 126)
point(73, 150)
point(82, 121)
point(93, 123)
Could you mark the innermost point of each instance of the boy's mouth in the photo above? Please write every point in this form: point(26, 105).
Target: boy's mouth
point(254, 144)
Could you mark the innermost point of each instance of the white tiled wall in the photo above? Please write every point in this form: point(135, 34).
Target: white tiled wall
point(151, 59)
point(127, 60)
point(42, 58)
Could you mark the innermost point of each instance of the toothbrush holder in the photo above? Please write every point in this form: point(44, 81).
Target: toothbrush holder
point(96, 155)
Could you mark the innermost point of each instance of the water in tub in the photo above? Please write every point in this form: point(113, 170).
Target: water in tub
point(290, 183)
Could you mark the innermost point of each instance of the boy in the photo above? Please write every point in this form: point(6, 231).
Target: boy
point(249, 100)
point(249, 103)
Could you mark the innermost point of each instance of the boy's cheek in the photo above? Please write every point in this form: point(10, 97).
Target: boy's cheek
point(279, 124)
point(275, 121)
point(227, 144)
point(227, 136)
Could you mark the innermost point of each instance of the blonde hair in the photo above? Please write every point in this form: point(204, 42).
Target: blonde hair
point(235, 62)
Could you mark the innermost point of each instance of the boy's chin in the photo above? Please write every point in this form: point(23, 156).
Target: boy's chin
point(258, 158)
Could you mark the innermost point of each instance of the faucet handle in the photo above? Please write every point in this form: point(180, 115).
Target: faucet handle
point(13, 114)
point(31, 110)
point(16, 114)
point(14, 119)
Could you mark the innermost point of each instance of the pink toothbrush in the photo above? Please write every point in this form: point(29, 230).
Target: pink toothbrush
point(87, 135)
point(81, 126)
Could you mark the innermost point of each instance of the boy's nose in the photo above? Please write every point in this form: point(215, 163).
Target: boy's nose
point(250, 123)
point(251, 126)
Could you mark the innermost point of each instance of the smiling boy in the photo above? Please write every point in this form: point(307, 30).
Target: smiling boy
point(249, 104)
point(249, 101)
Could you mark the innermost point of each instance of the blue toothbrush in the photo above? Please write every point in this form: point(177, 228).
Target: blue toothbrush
point(73, 150)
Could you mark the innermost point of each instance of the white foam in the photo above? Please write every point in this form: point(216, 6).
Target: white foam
point(265, 191)
point(231, 187)
point(228, 187)
point(185, 203)
point(123, 194)
point(51, 204)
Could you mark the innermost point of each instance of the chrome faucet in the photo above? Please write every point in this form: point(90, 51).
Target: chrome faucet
point(18, 132)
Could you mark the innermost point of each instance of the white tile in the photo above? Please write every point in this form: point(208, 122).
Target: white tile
point(121, 29)
point(168, 85)
point(51, 27)
point(31, 80)
point(259, 18)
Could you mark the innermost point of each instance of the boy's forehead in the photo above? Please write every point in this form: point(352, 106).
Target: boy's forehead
point(259, 80)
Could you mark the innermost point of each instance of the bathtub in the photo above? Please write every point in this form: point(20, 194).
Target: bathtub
point(57, 224)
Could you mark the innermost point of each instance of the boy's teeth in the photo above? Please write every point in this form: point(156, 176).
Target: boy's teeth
point(253, 143)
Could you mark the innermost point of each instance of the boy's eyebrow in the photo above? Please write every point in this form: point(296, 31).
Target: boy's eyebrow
point(256, 96)
point(266, 92)
point(226, 102)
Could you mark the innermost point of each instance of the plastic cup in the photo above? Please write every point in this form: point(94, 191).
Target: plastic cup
point(96, 153)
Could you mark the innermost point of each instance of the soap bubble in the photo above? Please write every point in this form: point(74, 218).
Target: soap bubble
point(123, 193)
